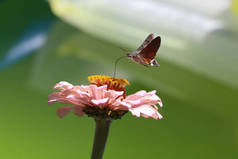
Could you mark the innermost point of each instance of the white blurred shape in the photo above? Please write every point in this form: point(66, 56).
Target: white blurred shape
point(170, 18)
point(25, 47)
point(144, 15)
point(209, 7)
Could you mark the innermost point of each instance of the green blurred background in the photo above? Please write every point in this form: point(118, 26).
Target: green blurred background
point(44, 42)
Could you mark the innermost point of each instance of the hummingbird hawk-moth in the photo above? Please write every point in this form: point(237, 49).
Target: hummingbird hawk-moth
point(145, 54)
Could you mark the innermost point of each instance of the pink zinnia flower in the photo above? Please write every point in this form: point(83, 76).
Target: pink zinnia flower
point(105, 97)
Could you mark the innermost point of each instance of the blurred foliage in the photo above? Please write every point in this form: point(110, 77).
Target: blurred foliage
point(200, 113)
point(235, 6)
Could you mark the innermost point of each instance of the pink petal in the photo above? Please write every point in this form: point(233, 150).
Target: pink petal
point(146, 111)
point(152, 92)
point(143, 98)
point(78, 111)
point(98, 92)
point(63, 111)
point(84, 88)
point(155, 97)
point(63, 85)
point(137, 95)
point(56, 97)
point(160, 103)
point(72, 99)
point(82, 93)
point(112, 95)
point(100, 102)
point(141, 93)
point(134, 102)
point(53, 97)
point(79, 95)
point(120, 105)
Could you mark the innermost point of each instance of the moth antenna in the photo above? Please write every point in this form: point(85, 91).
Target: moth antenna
point(115, 66)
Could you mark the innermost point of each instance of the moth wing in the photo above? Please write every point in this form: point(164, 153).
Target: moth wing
point(148, 39)
point(149, 52)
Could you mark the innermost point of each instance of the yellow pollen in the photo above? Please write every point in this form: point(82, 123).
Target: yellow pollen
point(102, 79)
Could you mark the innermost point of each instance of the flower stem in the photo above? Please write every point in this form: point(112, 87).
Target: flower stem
point(100, 137)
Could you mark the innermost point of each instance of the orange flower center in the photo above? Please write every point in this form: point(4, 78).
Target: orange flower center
point(116, 84)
